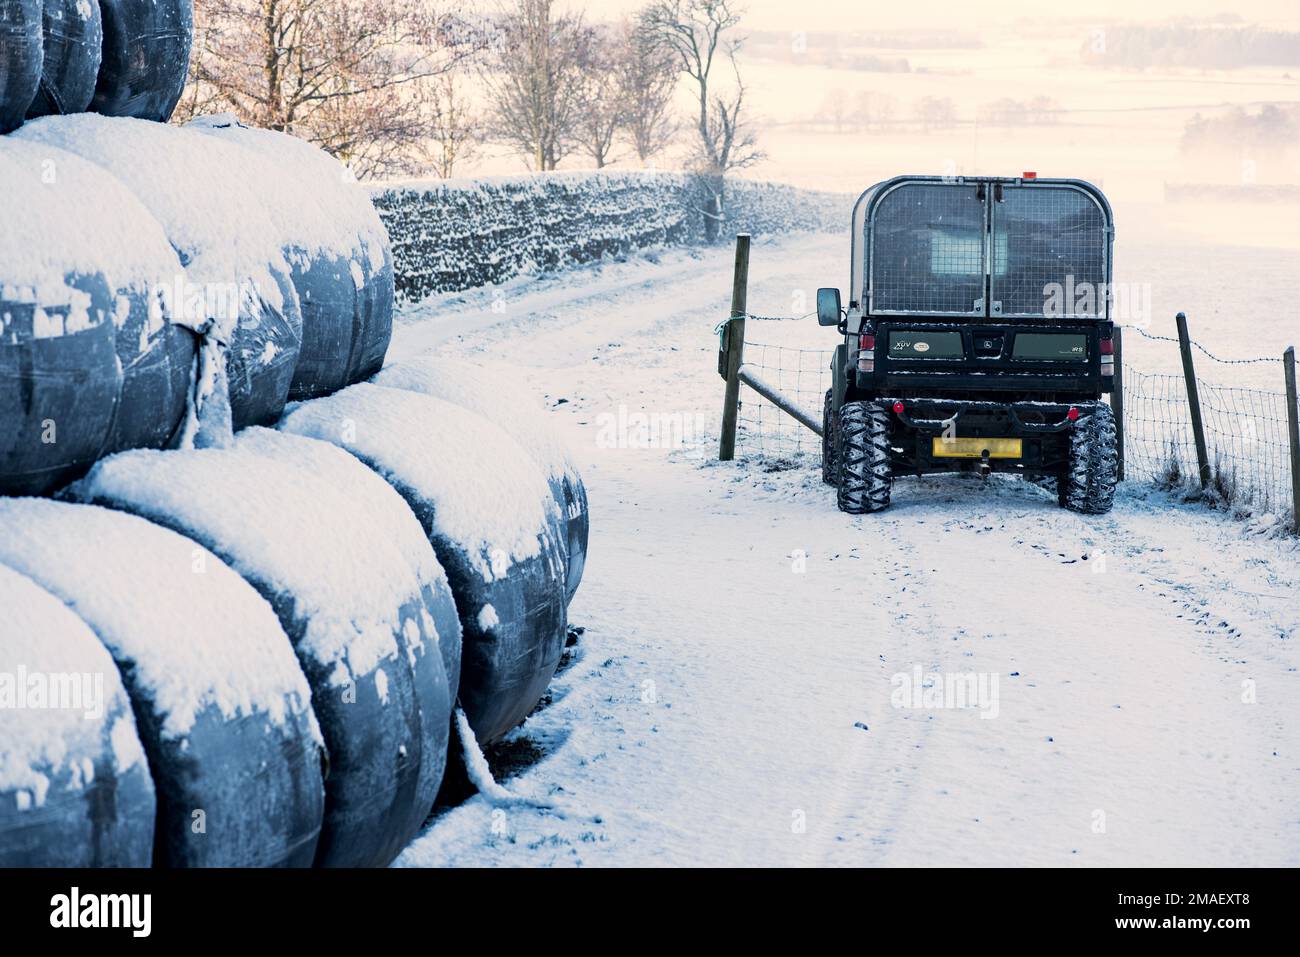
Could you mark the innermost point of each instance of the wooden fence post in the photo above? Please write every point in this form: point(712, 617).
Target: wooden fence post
point(1193, 400)
point(735, 351)
point(1117, 399)
point(1293, 430)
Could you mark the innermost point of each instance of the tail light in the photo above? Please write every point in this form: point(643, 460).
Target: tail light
point(866, 353)
point(1073, 414)
point(1107, 357)
point(899, 408)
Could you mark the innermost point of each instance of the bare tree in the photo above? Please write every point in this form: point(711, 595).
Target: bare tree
point(698, 32)
point(835, 109)
point(350, 75)
point(872, 109)
point(456, 130)
point(648, 74)
point(936, 113)
point(534, 80)
point(602, 110)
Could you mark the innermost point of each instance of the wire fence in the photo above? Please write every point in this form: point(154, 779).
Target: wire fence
point(1246, 429)
point(803, 375)
point(1245, 436)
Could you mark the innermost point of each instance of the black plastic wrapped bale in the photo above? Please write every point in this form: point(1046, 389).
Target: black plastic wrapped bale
point(60, 378)
point(75, 789)
point(491, 391)
point(486, 509)
point(347, 568)
point(339, 253)
point(156, 354)
point(205, 193)
point(21, 57)
point(146, 57)
point(221, 704)
point(73, 36)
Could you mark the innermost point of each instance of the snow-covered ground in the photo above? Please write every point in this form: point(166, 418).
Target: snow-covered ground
point(738, 695)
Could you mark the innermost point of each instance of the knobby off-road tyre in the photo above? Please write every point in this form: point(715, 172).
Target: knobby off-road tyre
point(1088, 485)
point(828, 440)
point(866, 476)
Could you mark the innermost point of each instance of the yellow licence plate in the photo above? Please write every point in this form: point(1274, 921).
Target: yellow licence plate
point(967, 448)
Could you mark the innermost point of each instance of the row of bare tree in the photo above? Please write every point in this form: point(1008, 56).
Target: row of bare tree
point(405, 86)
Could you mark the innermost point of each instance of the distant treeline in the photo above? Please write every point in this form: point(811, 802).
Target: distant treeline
point(823, 46)
point(1269, 128)
point(1200, 47)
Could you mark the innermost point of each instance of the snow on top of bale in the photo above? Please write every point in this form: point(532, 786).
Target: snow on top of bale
point(65, 215)
point(489, 390)
point(487, 494)
point(302, 518)
point(207, 194)
point(200, 634)
point(315, 202)
point(42, 636)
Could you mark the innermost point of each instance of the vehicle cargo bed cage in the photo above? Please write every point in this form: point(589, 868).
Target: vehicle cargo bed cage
point(981, 247)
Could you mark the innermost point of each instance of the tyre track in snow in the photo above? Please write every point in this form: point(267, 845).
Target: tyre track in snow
point(891, 748)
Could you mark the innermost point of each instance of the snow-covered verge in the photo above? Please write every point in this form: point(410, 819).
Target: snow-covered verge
point(745, 691)
point(458, 234)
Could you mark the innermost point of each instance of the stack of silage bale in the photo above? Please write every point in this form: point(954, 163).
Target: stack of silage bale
point(272, 604)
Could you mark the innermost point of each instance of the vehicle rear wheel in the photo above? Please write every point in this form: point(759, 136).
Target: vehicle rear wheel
point(828, 440)
point(1088, 485)
point(866, 476)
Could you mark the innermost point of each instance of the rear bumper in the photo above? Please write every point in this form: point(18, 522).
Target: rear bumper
point(882, 383)
point(985, 419)
point(1041, 430)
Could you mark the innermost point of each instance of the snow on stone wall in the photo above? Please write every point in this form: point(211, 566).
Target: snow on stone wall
point(449, 235)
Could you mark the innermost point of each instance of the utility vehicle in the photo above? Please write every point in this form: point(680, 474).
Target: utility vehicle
point(977, 337)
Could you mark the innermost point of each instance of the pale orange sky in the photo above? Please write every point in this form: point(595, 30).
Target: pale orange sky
point(865, 14)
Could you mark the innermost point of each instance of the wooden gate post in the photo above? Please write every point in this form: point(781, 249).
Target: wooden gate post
point(1293, 430)
point(735, 351)
point(1193, 400)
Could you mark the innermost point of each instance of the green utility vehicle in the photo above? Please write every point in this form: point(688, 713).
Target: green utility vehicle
point(977, 337)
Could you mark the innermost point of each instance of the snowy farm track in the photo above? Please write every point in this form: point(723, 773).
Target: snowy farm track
point(730, 699)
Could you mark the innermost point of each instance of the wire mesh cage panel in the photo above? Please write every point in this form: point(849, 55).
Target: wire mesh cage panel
point(925, 243)
point(1049, 253)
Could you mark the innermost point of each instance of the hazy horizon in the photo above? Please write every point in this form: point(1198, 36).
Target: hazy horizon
point(854, 15)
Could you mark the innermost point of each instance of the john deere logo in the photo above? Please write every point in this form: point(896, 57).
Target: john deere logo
point(922, 347)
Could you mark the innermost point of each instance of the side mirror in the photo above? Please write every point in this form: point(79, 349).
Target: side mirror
point(828, 307)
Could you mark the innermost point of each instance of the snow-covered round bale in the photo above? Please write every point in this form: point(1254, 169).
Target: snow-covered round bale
point(59, 374)
point(486, 509)
point(492, 392)
point(49, 192)
point(222, 706)
point(74, 786)
point(21, 58)
point(210, 198)
point(347, 568)
point(146, 57)
point(73, 35)
point(339, 254)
